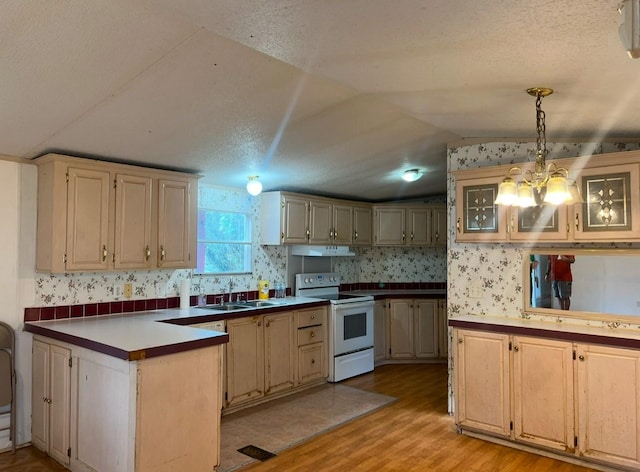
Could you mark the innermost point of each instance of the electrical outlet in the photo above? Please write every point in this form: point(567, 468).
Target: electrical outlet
point(128, 290)
point(117, 290)
point(475, 291)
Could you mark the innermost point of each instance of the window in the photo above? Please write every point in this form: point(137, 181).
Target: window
point(224, 242)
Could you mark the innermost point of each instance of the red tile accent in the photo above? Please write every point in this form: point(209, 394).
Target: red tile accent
point(161, 303)
point(173, 302)
point(104, 308)
point(116, 307)
point(47, 313)
point(77, 311)
point(127, 306)
point(91, 309)
point(62, 312)
point(152, 304)
point(32, 314)
point(139, 305)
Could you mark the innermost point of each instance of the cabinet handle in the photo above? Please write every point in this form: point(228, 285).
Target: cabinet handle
point(266, 324)
point(404, 236)
point(104, 253)
point(437, 235)
point(259, 323)
point(459, 340)
point(335, 235)
point(162, 253)
point(356, 236)
point(313, 361)
point(516, 348)
point(313, 317)
point(313, 335)
point(581, 357)
point(412, 236)
point(147, 253)
point(458, 225)
point(577, 222)
point(308, 234)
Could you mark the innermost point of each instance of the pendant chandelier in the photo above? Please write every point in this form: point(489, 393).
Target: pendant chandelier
point(547, 183)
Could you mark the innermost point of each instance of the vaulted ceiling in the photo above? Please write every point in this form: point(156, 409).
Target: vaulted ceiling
point(332, 97)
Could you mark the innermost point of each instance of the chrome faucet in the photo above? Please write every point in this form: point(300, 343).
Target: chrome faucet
point(230, 289)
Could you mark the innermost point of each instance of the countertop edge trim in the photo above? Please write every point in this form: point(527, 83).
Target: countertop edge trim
point(547, 333)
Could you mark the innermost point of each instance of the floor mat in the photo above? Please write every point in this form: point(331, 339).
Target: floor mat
point(285, 422)
point(256, 453)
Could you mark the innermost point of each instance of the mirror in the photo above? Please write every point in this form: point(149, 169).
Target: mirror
point(604, 282)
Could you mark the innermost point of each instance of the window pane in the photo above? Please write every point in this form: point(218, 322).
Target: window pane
point(224, 257)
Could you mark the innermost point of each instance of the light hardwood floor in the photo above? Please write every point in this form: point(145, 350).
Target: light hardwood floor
point(413, 434)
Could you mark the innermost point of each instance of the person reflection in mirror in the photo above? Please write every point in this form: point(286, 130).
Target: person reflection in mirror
point(559, 273)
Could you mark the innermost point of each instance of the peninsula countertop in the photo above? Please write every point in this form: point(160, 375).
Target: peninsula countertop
point(143, 334)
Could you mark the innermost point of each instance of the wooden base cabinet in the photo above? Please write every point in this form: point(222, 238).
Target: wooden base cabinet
point(272, 355)
point(575, 399)
point(105, 414)
point(380, 330)
point(50, 401)
point(413, 328)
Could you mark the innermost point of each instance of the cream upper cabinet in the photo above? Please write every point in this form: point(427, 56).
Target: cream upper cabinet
point(87, 238)
point(477, 217)
point(482, 385)
point(95, 215)
point(611, 208)
point(331, 223)
point(543, 392)
point(176, 239)
point(608, 403)
point(133, 222)
point(539, 223)
point(409, 225)
point(362, 230)
point(284, 218)
point(343, 224)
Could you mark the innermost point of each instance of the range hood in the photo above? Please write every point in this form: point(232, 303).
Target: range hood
point(304, 250)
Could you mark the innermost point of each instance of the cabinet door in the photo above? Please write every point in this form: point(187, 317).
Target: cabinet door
point(539, 223)
point(439, 226)
point(87, 219)
point(51, 400)
point(174, 224)
point(543, 392)
point(133, 222)
point(401, 329)
point(608, 402)
point(342, 224)
point(389, 229)
point(362, 219)
point(245, 360)
point(425, 314)
point(478, 218)
point(280, 350)
point(482, 392)
point(311, 361)
point(379, 330)
point(419, 226)
point(295, 220)
point(321, 223)
point(443, 330)
point(610, 210)
point(40, 396)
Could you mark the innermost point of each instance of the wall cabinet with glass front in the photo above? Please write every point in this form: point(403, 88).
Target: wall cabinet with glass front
point(95, 215)
point(478, 218)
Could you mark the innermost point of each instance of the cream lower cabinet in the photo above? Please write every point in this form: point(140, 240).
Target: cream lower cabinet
point(380, 330)
point(50, 400)
point(271, 355)
point(105, 414)
point(576, 399)
point(413, 328)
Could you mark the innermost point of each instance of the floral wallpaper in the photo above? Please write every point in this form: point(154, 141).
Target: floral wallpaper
point(372, 264)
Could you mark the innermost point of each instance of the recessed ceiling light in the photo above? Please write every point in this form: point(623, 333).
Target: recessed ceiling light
point(412, 175)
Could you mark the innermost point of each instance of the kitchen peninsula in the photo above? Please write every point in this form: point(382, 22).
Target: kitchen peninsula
point(132, 392)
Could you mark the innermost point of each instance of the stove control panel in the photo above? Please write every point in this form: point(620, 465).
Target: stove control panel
point(317, 280)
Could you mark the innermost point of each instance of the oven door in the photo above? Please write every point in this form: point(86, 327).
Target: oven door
point(352, 327)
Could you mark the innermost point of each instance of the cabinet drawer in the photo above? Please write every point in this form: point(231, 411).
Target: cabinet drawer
point(310, 317)
point(314, 334)
point(310, 362)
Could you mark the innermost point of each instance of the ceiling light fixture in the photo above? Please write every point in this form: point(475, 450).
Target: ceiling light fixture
point(254, 186)
point(412, 175)
point(546, 183)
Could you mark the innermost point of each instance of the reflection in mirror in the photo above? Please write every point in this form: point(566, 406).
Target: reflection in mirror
point(605, 282)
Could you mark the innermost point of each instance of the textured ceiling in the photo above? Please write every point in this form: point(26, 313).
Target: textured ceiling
point(333, 97)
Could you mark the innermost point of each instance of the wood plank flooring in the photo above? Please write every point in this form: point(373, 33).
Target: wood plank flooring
point(413, 434)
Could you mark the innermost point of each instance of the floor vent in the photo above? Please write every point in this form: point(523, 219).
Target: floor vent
point(256, 453)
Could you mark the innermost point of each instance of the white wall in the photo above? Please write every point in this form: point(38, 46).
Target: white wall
point(18, 184)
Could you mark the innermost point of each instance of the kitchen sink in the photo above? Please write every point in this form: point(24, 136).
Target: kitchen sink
point(224, 307)
point(258, 303)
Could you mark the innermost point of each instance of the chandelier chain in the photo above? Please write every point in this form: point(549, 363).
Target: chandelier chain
point(541, 142)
